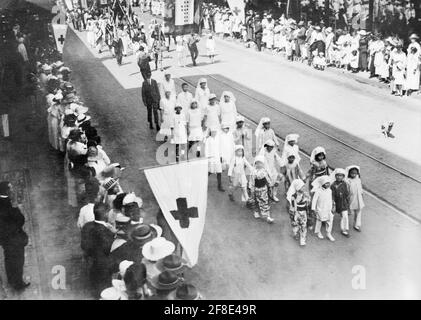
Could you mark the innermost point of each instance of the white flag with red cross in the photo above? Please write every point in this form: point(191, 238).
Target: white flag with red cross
point(181, 191)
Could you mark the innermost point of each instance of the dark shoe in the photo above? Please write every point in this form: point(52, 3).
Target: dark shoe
point(231, 197)
point(158, 128)
point(151, 126)
point(21, 286)
point(221, 189)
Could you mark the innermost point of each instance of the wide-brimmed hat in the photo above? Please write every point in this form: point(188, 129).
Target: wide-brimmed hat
point(414, 36)
point(112, 293)
point(166, 280)
point(172, 263)
point(142, 233)
point(157, 249)
point(81, 118)
point(185, 291)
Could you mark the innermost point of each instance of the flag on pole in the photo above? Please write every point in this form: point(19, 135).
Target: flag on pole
point(238, 8)
point(181, 191)
point(60, 31)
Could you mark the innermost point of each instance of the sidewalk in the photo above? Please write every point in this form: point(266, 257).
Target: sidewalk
point(37, 172)
point(360, 77)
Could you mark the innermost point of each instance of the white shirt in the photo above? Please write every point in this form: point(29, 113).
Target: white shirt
point(184, 99)
point(86, 214)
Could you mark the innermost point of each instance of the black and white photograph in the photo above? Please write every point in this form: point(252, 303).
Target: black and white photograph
point(210, 150)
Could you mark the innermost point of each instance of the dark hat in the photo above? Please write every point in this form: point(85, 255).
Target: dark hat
point(172, 263)
point(166, 280)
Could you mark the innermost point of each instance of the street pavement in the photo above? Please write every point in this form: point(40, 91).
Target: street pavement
point(242, 258)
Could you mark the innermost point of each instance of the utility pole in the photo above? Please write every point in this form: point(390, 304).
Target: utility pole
point(370, 20)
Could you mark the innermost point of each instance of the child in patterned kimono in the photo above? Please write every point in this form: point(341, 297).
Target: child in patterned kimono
point(291, 170)
point(259, 186)
point(322, 206)
point(318, 165)
point(340, 193)
point(264, 133)
point(273, 163)
point(237, 174)
point(356, 202)
point(299, 207)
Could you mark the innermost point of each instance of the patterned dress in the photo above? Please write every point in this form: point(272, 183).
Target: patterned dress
point(298, 214)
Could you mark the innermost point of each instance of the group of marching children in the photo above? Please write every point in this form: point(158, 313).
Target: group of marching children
point(202, 122)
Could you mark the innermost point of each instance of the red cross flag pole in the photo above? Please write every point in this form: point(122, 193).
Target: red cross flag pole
point(181, 191)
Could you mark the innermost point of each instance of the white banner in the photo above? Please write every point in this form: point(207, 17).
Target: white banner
point(5, 124)
point(60, 31)
point(181, 191)
point(184, 12)
point(238, 8)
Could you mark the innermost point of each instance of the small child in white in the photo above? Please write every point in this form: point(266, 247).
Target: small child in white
point(213, 152)
point(227, 146)
point(237, 174)
point(356, 202)
point(210, 48)
point(291, 146)
point(178, 131)
point(322, 205)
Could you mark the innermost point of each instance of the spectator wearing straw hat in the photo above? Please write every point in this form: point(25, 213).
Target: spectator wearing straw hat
point(164, 284)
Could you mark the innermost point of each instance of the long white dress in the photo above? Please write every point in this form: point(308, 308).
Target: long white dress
point(212, 117)
point(227, 147)
point(167, 106)
point(194, 120)
point(178, 125)
point(412, 72)
point(213, 152)
point(398, 67)
point(202, 96)
point(228, 114)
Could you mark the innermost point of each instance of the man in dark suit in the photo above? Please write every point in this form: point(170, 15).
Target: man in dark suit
point(151, 98)
point(96, 241)
point(12, 238)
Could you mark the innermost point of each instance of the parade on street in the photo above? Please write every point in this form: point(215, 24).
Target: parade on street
point(222, 150)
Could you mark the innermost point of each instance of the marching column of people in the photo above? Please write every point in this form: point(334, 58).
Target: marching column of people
point(215, 127)
point(125, 257)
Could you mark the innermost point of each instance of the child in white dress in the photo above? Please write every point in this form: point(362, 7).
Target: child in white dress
point(178, 132)
point(210, 48)
point(237, 173)
point(166, 108)
point(227, 145)
point(194, 128)
point(356, 201)
point(213, 153)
